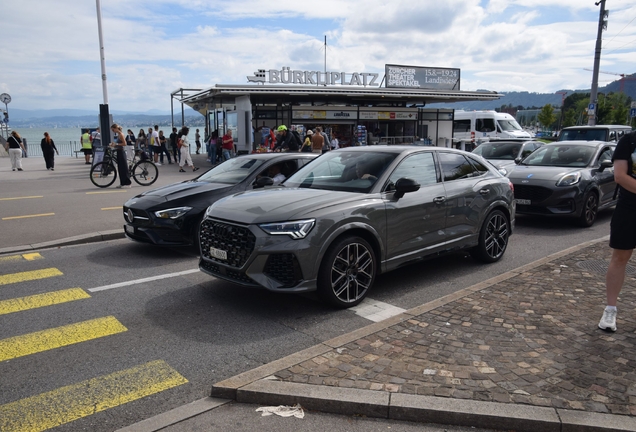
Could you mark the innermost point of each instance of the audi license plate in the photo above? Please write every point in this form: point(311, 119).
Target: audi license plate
point(218, 253)
point(523, 202)
point(130, 230)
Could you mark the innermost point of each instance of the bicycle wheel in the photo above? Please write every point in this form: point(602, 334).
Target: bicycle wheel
point(145, 173)
point(103, 174)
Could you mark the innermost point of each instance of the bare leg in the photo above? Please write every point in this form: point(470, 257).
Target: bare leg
point(616, 274)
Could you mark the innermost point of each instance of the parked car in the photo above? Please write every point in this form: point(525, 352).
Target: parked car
point(354, 213)
point(611, 133)
point(568, 179)
point(170, 215)
point(505, 154)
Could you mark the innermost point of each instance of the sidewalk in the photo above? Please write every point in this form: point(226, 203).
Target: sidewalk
point(521, 351)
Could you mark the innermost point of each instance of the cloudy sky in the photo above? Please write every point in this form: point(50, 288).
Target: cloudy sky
point(50, 48)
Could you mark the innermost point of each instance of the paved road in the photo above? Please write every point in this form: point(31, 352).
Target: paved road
point(184, 325)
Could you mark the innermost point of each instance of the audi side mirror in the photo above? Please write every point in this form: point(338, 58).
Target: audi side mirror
point(405, 185)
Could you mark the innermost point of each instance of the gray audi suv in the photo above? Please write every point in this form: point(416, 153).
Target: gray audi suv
point(354, 213)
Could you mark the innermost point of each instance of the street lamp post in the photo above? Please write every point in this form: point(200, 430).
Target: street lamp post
point(104, 117)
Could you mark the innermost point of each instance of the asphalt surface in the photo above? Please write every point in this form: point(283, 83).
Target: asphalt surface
point(519, 351)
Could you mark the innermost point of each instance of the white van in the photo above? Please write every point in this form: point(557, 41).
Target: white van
point(483, 125)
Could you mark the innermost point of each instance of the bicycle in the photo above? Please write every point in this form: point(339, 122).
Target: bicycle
point(140, 168)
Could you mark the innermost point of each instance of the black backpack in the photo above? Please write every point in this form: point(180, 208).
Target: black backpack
point(296, 142)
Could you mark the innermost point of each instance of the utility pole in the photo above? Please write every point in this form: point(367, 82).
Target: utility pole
point(602, 25)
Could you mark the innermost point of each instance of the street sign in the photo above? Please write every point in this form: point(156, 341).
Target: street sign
point(591, 109)
point(633, 104)
point(632, 112)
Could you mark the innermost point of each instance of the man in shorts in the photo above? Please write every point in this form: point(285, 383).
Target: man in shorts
point(622, 228)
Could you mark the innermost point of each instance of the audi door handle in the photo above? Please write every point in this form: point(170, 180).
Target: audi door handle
point(439, 200)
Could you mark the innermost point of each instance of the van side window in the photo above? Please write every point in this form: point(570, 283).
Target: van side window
point(461, 125)
point(485, 125)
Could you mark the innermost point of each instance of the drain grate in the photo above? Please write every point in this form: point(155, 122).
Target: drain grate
point(600, 266)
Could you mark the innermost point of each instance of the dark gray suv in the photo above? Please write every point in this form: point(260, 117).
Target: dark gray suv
point(354, 213)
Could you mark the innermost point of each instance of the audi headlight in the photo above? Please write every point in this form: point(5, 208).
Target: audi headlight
point(569, 179)
point(296, 229)
point(172, 213)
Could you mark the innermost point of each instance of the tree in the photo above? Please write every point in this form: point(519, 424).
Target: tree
point(546, 116)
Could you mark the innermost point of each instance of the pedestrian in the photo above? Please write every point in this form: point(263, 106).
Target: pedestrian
point(153, 144)
point(87, 147)
point(48, 151)
point(164, 149)
point(317, 141)
point(306, 147)
point(141, 141)
point(335, 144)
point(228, 145)
point(197, 140)
point(119, 143)
point(622, 227)
point(15, 150)
point(186, 159)
point(286, 140)
point(212, 147)
point(327, 145)
point(96, 138)
point(173, 145)
point(130, 138)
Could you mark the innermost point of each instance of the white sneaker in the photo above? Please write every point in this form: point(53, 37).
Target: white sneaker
point(158, 164)
point(608, 321)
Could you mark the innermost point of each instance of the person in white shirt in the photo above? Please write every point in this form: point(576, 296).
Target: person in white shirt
point(153, 144)
point(184, 148)
point(334, 142)
point(275, 174)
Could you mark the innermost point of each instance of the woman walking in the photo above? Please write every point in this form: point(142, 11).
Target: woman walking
point(184, 148)
point(119, 143)
point(48, 151)
point(15, 151)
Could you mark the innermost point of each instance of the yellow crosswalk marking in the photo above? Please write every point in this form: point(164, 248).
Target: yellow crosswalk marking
point(24, 197)
point(41, 300)
point(28, 257)
point(45, 340)
point(64, 405)
point(29, 275)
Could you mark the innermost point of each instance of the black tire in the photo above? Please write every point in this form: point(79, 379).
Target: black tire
point(347, 272)
point(493, 238)
point(145, 173)
point(103, 174)
point(589, 211)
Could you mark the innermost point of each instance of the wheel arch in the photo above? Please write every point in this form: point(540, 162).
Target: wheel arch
point(363, 231)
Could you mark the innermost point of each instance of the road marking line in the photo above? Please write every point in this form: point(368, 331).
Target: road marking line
point(18, 198)
point(29, 276)
point(32, 256)
point(112, 208)
point(20, 346)
point(375, 310)
point(105, 192)
point(66, 404)
point(27, 216)
point(144, 280)
point(28, 257)
point(41, 300)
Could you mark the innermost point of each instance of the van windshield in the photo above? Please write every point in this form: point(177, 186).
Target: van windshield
point(509, 125)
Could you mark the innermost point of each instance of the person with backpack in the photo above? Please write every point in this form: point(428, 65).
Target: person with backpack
point(622, 228)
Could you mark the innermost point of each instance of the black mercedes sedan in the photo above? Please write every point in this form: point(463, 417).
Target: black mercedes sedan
point(572, 179)
point(170, 215)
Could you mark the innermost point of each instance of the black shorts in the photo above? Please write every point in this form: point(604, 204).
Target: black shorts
point(87, 151)
point(623, 229)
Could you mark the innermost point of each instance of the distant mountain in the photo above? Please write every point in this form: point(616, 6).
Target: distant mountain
point(20, 114)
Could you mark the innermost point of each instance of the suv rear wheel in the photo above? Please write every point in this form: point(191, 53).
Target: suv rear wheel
point(493, 238)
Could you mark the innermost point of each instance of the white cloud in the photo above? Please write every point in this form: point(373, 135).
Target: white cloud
point(51, 49)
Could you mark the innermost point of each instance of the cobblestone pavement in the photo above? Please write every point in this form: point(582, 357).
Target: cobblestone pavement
point(532, 339)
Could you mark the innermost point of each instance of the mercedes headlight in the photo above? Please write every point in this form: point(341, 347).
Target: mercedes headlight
point(172, 213)
point(296, 229)
point(569, 179)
